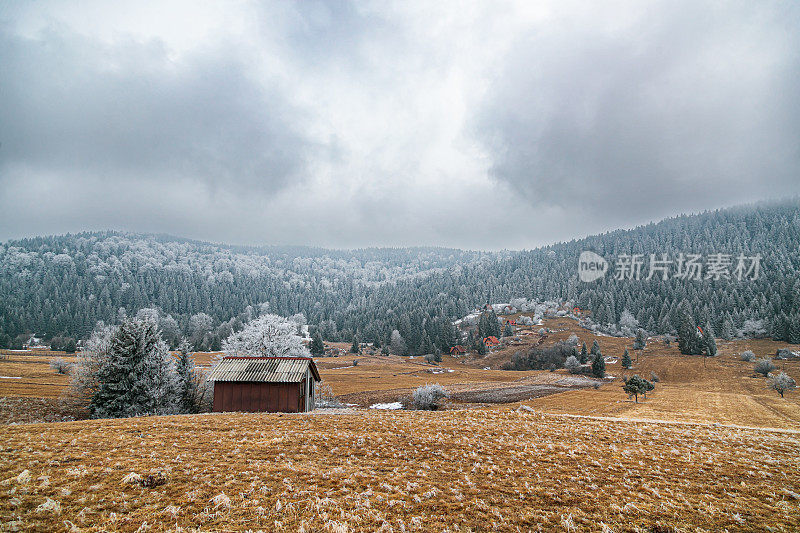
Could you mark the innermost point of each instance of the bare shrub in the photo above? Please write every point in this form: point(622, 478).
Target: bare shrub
point(764, 367)
point(654, 377)
point(429, 397)
point(60, 366)
point(325, 397)
point(747, 356)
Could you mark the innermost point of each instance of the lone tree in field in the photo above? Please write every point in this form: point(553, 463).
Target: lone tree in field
point(763, 367)
point(584, 357)
point(267, 336)
point(648, 386)
point(626, 359)
point(641, 340)
point(138, 376)
point(690, 340)
point(356, 347)
point(782, 383)
point(599, 365)
point(634, 386)
point(317, 346)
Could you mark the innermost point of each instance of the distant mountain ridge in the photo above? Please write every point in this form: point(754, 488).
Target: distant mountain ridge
point(65, 284)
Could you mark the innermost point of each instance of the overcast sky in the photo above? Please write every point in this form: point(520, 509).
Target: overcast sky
point(480, 125)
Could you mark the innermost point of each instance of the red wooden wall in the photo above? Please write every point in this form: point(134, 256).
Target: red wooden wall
point(255, 397)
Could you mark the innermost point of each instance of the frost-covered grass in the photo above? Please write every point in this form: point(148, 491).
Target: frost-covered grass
point(405, 470)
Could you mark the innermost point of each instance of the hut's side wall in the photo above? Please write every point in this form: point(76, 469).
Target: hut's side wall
point(254, 397)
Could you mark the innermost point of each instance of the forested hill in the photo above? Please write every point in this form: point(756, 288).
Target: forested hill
point(65, 284)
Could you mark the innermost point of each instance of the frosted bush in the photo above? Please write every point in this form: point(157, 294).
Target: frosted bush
point(325, 398)
point(428, 397)
point(747, 355)
point(572, 364)
point(60, 366)
point(764, 367)
point(524, 321)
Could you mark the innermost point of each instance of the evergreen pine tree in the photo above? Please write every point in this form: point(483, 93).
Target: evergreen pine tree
point(689, 340)
point(595, 348)
point(355, 348)
point(626, 360)
point(727, 329)
point(508, 331)
point(481, 347)
point(187, 385)
point(138, 376)
point(599, 365)
point(584, 357)
point(641, 340)
point(709, 343)
point(793, 335)
point(317, 346)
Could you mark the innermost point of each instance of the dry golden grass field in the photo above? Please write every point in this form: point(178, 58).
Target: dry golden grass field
point(458, 470)
point(711, 449)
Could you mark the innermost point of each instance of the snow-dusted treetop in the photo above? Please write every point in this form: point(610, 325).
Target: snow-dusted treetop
point(267, 336)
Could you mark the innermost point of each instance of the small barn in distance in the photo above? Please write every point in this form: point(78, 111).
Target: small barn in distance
point(265, 384)
point(491, 341)
point(458, 350)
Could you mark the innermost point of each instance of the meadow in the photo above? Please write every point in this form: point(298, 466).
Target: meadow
point(711, 449)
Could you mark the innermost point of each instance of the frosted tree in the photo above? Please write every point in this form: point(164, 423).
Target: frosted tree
point(572, 364)
point(628, 323)
point(138, 375)
point(641, 340)
point(84, 377)
point(782, 383)
point(170, 331)
point(199, 327)
point(398, 344)
point(188, 381)
point(267, 336)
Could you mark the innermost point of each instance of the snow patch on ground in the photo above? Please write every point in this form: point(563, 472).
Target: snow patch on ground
point(390, 406)
point(10, 377)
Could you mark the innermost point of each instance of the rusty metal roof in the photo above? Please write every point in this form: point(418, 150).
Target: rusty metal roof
point(264, 369)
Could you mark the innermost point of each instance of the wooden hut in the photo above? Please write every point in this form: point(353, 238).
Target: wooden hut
point(458, 350)
point(265, 384)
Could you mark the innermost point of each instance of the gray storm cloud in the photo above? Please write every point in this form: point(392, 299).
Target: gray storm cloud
point(127, 112)
point(688, 106)
point(478, 125)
